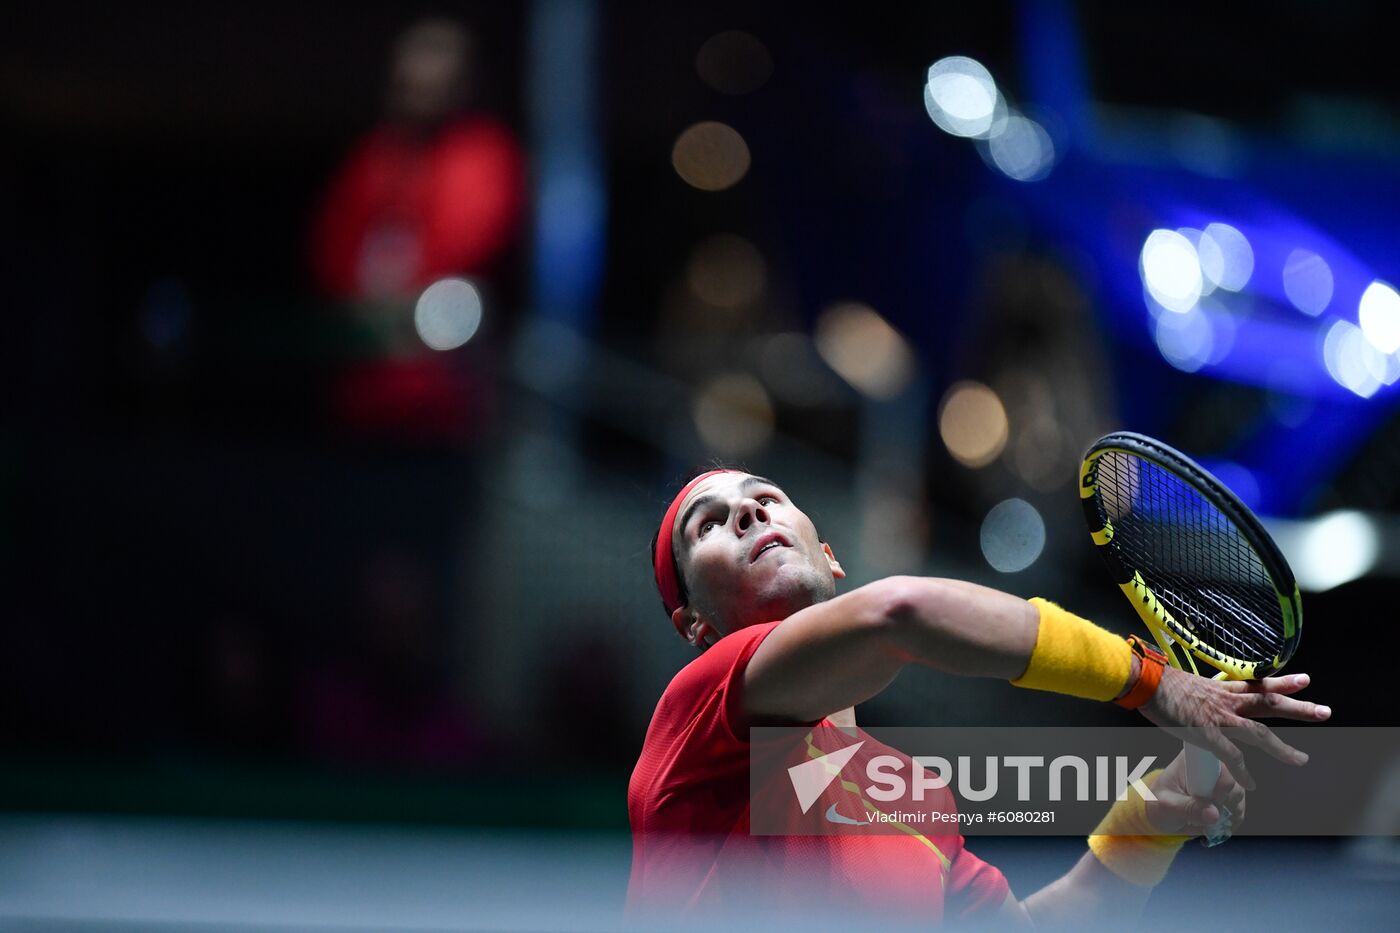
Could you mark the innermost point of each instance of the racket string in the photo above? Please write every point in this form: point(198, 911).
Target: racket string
point(1202, 568)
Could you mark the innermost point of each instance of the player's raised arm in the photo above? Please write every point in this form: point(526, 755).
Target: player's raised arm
point(838, 653)
point(844, 651)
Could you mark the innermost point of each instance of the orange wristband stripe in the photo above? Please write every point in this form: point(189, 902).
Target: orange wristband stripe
point(1153, 662)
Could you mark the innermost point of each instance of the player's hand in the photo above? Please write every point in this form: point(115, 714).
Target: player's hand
point(1176, 811)
point(1204, 706)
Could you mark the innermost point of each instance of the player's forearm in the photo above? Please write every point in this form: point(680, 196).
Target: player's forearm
point(963, 628)
point(973, 630)
point(1089, 895)
point(843, 652)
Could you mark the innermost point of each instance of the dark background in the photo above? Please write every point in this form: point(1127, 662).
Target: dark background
point(193, 545)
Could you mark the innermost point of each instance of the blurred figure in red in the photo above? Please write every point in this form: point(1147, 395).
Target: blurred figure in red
point(434, 190)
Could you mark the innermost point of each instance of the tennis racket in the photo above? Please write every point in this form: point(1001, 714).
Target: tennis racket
point(1197, 565)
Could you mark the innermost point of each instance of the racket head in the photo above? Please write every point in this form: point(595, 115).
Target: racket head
point(1195, 562)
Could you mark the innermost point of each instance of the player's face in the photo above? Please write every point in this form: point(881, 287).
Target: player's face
point(748, 554)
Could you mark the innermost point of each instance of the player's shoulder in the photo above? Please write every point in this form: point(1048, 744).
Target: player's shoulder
point(717, 665)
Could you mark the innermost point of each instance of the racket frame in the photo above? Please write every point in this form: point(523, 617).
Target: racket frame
point(1165, 628)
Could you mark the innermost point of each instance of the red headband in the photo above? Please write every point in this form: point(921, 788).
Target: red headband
point(665, 564)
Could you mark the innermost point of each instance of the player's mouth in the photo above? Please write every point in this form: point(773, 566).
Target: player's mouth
point(766, 543)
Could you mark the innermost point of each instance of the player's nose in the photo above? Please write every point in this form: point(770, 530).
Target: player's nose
point(750, 513)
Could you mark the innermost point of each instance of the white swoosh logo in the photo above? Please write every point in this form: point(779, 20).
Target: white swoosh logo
point(833, 817)
point(810, 778)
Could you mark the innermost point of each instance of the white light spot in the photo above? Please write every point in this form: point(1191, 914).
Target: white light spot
point(1013, 535)
point(1022, 149)
point(734, 415)
point(1223, 325)
point(1334, 549)
point(961, 97)
point(1171, 270)
point(1380, 316)
point(972, 422)
point(1307, 281)
point(710, 156)
point(447, 314)
point(1210, 256)
point(1353, 362)
point(1236, 253)
point(1187, 341)
point(865, 350)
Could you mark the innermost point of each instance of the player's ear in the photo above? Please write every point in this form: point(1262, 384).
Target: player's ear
point(678, 619)
point(691, 626)
point(832, 562)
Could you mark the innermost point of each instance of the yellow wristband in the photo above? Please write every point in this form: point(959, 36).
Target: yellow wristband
point(1075, 656)
point(1127, 843)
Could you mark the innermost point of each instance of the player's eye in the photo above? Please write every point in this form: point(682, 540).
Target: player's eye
point(706, 527)
point(767, 500)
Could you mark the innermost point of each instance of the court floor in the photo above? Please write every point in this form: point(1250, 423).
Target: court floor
point(88, 873)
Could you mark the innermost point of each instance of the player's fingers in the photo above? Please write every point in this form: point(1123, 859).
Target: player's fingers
point(1236, 804)
point(1230, 795)
point(1229, 754)
point(1173, 812)
point(1276, 705)
point(1261, 736)
point(1289, 684)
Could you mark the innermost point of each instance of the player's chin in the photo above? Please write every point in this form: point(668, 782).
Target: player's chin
point(793, 586)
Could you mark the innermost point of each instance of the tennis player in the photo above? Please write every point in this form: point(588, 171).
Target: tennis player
point(746, 579)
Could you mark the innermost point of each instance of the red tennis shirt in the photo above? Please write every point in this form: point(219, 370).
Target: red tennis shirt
point(689, 805)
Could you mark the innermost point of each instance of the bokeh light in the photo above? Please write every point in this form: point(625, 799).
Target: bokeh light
point(726, 271)
point(961, 97)
point(1209, 255)
point(972, 423)
point(734, 62)
point(733, 415)
point(711, 156)
point(1379, 313)
point(1171, 270)
point(1021, 149)
point(1238, 479)
point(1236, 254)
point(1187, 341)
point(1307, 281)
point(865, 350)
point(1335, 549)
point(1354, 363)
point(1013, 535)
point(447, 314)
